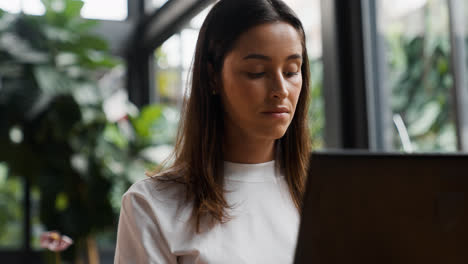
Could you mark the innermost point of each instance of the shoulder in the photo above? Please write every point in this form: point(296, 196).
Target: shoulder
point(157, 192)
point(149, 217)
point(151, 204)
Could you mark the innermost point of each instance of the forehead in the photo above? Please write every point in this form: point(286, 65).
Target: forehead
point(270, 39)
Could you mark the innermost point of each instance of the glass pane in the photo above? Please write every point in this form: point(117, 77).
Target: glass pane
point(92, 9)
point(169, 83)
point(173, 60)
point(99, 9)
point(174, 57)
point(157, 3)
point(33, 7)
point(417, 56)
point(309, 13)
point(11, 208)
point(12, 6)
point(152, 5)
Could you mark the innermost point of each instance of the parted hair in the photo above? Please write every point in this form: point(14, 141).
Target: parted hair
point(197, 160)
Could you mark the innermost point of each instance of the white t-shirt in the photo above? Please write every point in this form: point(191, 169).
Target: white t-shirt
point(154, 227)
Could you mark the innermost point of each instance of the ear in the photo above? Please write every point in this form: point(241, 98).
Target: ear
point(213, 80)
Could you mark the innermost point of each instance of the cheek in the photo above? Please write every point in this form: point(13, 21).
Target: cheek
point(296, 91)
point(240, 92)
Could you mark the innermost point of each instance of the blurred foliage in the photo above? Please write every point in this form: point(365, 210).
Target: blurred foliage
point(421, 83)
point(10, 199)
point(316, 108)
point(53, 129)
point(168, 79)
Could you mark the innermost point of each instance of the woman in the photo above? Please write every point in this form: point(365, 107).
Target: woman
point(233, 192)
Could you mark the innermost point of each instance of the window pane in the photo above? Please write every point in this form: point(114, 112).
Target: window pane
point(11, 208)
point(173, 60)
point(309, 13)
point(174, 57)
point(99, 9)
point(417, 55)
point(33, 7)
point(154, 4)
point(12, 6)
point(92, 9)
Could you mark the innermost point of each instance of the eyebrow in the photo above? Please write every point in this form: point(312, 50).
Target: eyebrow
point(263, 57)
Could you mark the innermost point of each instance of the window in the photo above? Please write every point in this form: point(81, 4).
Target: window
point(153, 5)
point(416, 53)
point(308, 12)
point(173, 60)
point(99, 9)
point(13, 6)
point(92, 9)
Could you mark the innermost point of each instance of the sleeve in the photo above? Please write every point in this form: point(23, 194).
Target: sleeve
point(139, 236)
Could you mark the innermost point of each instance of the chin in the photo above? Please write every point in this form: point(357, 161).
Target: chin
point(274, 133)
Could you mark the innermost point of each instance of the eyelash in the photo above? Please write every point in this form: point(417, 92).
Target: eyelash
point(291, 74)
point(253, 75)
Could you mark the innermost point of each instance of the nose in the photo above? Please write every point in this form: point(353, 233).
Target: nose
point(279, 87)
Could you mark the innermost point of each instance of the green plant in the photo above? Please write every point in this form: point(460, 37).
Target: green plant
point(53, 130)
point(50, 100)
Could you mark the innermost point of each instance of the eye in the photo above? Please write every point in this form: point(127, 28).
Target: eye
point(255, 75)
point(291, 74)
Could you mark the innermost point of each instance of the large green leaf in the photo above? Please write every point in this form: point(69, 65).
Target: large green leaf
point(73, 8)
point(113, 135)
point(52, 82)
point(21, 50)
point(93, 43)
point(58, 34)
point(146, 120)
point(81, 26)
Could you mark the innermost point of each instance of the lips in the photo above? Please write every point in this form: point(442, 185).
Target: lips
point(277, 110)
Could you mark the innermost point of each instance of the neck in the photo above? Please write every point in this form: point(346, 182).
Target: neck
point(240, 148)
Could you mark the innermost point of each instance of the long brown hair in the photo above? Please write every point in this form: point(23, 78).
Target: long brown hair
point(198, 153)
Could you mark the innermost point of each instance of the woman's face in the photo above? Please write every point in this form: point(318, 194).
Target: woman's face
point(261, 81)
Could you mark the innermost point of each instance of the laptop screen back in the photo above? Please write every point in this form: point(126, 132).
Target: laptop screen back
point(385, 208)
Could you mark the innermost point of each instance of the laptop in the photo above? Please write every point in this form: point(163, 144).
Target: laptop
point(385, 208)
